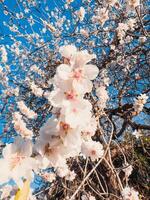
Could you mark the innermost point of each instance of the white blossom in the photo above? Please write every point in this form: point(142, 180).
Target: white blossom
point(5, 191)
point(77, 111)
point(36, 90)
point(89, 129)
point(20, 126)
point(129, 194)
point(63, 171)
point(3, 54)
point(67, 51)
point(102, 94)
point(92, 149)
point(69, 1)
point(37, 70)
point(81, 13)
point(26, 111)
point(102, 16)
point(70, 176)
point(140, 102)
point(121, 30)
point(50, 177)
point(142, 39)
point(84, 32)
point(132, 4)
point(112, 2)
point(87, 197)
point(16, 161)
point(137, 134)
point(128, 170)
point(131, 23)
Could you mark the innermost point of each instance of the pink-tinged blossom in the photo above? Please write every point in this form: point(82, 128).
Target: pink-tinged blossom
point(5, 192)
point(67, 51)
point(51, 152)
point(89, 129)
point(20, 126)
point(70, 137)
point(34, 68)
point(112, 2)
point(128, 170)
point(48, 130)
point(92, 149)
point(15, 91)
point(37, 91)
point(140, 102)
point(81, 58)
point(91, 197)
point(79, 79)
point(50, 177)
point(16, 161)
point(70, 176)
point(121, 30)
point(81, 13)
point(84, 32)
point(102, 94)
point(52, 145)
point(142, 39)
point(132, 4)
point(82, 78)
point(76, 58)
point(79, 73)
point(75, 112)
point(59, 96)
point(136, 134)
point(87, 197)
point(3, 54)
point(69, 1)
point(63, 170)
point(102, 16)
point(26, 111)
point(131, 24)
point(129, 194)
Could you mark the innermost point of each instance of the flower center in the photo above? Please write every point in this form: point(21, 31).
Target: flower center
point(77, 74)
point(16, 160)
point(48, 150)
point(74, 110)
point(93, 152)
point(65, 127)
point(70, 95)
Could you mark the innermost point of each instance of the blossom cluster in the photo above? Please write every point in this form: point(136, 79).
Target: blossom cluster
point(20, 126)
point(36, 90)
point(17, 161)
point(140, 102)
point(124, 27)
point(3, 54)
point(102, 94)
point(66, 134)
point(133, 3)
point(26, 111)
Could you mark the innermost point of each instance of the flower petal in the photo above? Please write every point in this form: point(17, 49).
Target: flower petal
point(67, 51)
point(91, 71)
point(82, 86)
point(64, 71)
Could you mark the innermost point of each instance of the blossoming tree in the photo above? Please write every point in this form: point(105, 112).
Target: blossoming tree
point(74, 99)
